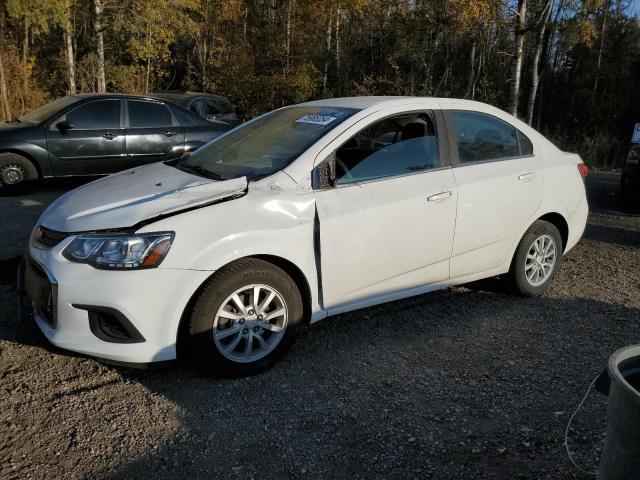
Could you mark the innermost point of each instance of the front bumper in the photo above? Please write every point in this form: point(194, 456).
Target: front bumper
point(152, 300)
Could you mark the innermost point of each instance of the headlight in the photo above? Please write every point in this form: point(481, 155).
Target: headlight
point(120, 252)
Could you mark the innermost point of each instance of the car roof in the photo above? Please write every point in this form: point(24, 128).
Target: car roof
point(179, 97)
point(362, 103)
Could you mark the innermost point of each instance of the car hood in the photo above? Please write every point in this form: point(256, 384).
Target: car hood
point(127, 198)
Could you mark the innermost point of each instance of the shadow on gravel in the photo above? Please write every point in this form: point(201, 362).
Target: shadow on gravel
point(441, 383)
point(620, 236)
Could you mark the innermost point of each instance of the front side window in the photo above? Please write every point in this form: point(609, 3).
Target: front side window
point(265, 145)
point(482, 137)
point(394, 146)
point(148, 114)
point(96, 115)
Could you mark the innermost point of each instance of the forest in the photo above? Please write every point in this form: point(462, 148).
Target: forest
point(570, 68)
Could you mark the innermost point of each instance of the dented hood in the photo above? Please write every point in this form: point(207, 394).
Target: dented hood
point(130, 197)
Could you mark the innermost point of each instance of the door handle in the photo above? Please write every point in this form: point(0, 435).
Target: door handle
point(109, 136)
point(526, 176)
point(170, 133)
point(439, 197)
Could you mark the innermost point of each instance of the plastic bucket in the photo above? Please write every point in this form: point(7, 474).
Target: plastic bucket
point(621, 455)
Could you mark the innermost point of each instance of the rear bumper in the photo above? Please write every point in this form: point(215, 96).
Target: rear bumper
point(151, 301)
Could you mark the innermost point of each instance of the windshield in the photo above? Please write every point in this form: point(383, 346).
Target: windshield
point(50, 109)
point(268, 144)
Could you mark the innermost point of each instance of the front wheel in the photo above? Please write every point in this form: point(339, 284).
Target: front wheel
point(537, 259)
point(245, 318)
point(15, 169)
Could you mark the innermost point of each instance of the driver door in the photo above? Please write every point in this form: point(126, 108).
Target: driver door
point(387, 221)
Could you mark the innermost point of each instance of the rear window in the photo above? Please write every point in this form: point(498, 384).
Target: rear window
point(148, 114)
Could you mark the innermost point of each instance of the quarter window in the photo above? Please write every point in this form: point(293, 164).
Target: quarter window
point(148, 114)
point(526, 148)
point(482, 137)
point(96, 115)
point(393, 146)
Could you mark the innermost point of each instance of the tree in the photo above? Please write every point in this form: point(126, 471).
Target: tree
point(101, 80)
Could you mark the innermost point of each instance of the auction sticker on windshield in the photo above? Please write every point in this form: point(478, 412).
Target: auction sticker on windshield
point(316, 119)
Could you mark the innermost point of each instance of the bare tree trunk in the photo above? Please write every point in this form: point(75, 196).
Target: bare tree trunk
point(338, 43)
point(146, 76)
point(25, 54)
point(535, 68)
point(326, 61)
point(4, 100)
point(69, 57)
point(517, 56)
point(291, 4)
point(472, 70)
point(600, 48)
point(102, 82)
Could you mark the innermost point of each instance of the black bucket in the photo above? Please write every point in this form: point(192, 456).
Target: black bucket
point(621, 455)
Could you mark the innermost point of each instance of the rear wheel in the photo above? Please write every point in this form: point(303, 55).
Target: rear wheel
point(15, 169)
point(245, 318)
point(537, 259)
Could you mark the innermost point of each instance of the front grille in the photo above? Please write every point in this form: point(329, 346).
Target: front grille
point(46, 238)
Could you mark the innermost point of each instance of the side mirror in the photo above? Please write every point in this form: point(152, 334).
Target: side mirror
point(325, 174)
point(64, 125)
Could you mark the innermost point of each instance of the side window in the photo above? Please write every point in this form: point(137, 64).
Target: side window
point(210, 108)
point(526, 148)
point(482, 137)
point(196, 107)
point(393, 146)
point(148, 114)
point(96, 115)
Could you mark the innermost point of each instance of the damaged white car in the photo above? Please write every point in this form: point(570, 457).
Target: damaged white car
point(305, 212)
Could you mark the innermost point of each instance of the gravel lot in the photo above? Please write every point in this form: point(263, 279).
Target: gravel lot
point(464, 383)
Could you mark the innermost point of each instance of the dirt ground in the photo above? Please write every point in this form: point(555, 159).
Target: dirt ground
point(463, 383)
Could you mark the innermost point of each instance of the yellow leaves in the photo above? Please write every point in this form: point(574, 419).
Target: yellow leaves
point(466, 15)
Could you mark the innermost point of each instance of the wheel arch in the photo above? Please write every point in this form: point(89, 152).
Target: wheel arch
point(288, 266)
point(558, 220)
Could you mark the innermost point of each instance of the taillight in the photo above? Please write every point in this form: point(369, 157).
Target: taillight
point(584, 170)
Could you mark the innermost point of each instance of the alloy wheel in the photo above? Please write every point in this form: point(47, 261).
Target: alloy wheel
point(250, 323)
point(540, 260)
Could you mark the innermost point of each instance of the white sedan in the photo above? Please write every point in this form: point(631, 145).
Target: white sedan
point(305, 212)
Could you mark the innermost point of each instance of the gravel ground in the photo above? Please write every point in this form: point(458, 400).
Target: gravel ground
point(463, 383)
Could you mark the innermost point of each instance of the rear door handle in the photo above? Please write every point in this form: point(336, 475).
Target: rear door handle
point(170, 133)
point(109, 136)
point(526, 176)
point(439, 197)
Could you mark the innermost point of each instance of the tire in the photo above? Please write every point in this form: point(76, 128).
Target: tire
point(16, 169)
point(219, 330)
point(522, 276)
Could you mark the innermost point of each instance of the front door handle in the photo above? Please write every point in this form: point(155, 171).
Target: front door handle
point(526, 176)
point(170, 133)
point(439, 197)
point(109, 136)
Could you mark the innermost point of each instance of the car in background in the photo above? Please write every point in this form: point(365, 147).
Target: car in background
point(303, 213)
point(214, 108)
point(630, 179)
point(97, 134)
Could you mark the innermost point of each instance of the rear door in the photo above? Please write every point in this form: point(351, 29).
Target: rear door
point(499, 181)
point(153, 134)
point(96, 142)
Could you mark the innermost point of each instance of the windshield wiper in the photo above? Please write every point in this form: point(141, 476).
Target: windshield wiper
point(15, 120)
point(200, 171)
